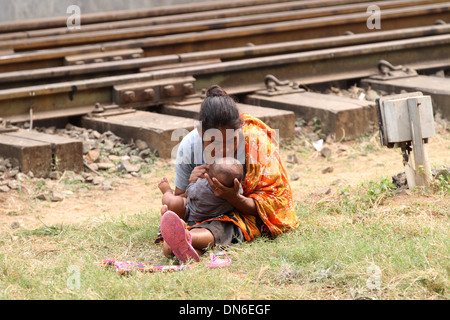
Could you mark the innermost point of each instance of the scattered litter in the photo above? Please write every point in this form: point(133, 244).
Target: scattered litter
point(218, 260)
point(362, 95)
point(126, 267)
point(318, 145)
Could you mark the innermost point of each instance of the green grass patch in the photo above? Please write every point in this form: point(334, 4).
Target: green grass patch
point(342, 250)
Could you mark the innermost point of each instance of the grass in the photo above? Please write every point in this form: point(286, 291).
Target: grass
point(364, 240)
point(354, 252)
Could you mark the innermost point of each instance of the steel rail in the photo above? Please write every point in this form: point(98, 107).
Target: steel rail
point(244, 75)
point(254, 21)
point(47, 75)
point(139, 13)
point(277, 12)
point(218, 39)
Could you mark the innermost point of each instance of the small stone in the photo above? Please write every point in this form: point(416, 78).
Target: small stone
point(12, 184)
point(295, 177)
point(98, 180)
point(328, 170)
point(2, 168)
point(87, 145)
point(441, 173)
point(128, 167)
point(12, 173)
point(106, 186)
point(7, 163)
point(135, 159)
point(337, 182)
point(440, 74)
point(114, 158)
point(108, 145)
point(326, 152)
point(342, 148)
point(15, 225)
point(372, 95)
point(22, 176)
point(145, 153)
point(105, 165)
point(142, 145)
point(82, 190)
point(88, 177)
point(57, 197)
point(50, 130)
point(329, 139)
point(94, 155)
point(400, 180)
point(312, 136)
point(95, 135)
point(322, 191)
point(4, 188)
point(107, 134)
point(292, 158)
point(55, 175)
point(41, 196)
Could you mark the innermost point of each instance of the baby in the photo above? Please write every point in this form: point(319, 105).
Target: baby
point(200, 202)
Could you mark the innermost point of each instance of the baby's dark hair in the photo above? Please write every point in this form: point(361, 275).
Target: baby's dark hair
point(219, 110)
point(226, 170)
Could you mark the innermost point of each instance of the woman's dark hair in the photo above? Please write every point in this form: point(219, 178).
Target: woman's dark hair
point(219, 110)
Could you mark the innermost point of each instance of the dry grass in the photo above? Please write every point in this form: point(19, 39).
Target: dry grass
point(344, 237)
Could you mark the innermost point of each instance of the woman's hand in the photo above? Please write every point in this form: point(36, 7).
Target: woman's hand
point(221, 191)
point(245, 205)
point(199, 172)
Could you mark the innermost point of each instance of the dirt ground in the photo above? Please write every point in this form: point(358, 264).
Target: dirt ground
point(352, 163)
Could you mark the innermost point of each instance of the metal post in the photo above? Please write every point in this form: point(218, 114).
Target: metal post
point(422, 167)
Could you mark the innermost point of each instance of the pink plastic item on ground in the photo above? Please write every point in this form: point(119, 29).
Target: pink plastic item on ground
point(218, 260)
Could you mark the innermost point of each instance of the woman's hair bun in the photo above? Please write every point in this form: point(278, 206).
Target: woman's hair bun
point(216, 91)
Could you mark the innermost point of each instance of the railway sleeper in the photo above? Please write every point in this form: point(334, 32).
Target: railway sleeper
point(41, 153)
point(161, 132)
point(339, 117)
point(282, 121)
point(397, 79)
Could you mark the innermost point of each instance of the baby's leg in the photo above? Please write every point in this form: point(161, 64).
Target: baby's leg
point(174, 203)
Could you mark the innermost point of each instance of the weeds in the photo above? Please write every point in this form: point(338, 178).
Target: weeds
point(441, 184)
point(367, 197)
point(378, 191)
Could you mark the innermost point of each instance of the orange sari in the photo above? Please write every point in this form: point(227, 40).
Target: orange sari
point(266, 182)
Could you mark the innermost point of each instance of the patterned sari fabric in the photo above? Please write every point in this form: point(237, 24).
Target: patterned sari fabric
point(266, 182)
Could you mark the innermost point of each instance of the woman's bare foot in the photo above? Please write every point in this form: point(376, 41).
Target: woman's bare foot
point(164, 186)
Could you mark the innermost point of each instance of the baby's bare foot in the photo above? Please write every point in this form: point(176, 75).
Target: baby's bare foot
point(164, 186)
point(164, 209)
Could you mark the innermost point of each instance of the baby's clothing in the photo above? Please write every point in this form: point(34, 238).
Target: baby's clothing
point(202, 204)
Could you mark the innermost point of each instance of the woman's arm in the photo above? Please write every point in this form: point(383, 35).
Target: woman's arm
point(243, 204)
point(197, 172)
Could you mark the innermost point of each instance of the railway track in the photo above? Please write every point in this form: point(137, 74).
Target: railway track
point(127, 64)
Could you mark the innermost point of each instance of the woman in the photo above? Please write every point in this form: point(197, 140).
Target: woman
point(266, 206)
